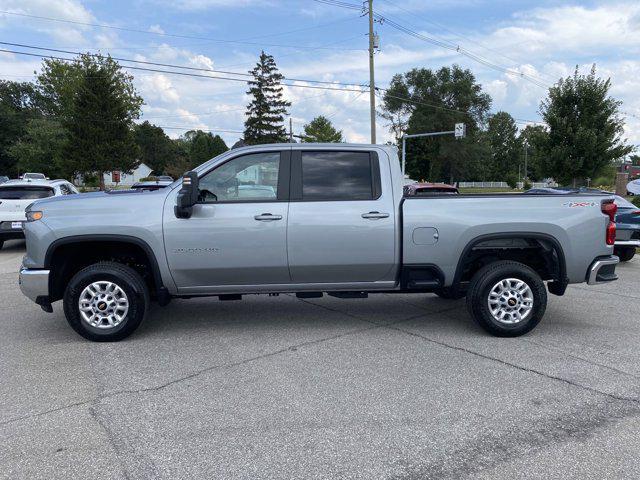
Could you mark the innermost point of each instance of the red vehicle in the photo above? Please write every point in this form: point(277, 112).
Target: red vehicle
point(422, 189)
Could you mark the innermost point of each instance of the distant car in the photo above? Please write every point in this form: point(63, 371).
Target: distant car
point(165, 178)
point(421, 189)
point(151, 185)
point(3, 179)
point(33, 176)
point(627, 229)
point(17, 195)
point(566, 191)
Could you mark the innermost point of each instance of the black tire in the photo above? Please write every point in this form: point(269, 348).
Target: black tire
point(449, 294)
point(625, 253)
point(488, 277)
point(128, 281)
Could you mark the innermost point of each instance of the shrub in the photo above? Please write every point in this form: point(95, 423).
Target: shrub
point(149, 179)
point(527, 184)
point(636, 201)
point(512, 180)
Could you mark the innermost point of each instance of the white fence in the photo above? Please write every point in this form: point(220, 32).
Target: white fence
point(499, 184)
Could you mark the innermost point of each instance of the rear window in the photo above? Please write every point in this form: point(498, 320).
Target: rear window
point(334, 175)
point(25, 193)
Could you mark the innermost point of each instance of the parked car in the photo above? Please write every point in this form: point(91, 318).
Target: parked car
point(17, 195)
point(151, 185)
point(339, 224)
point(33, 176)
point(627, 229)
point(166, 178)
point(420, 189)
point(3, 179)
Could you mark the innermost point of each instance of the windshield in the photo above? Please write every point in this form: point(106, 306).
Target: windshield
point(25, 193)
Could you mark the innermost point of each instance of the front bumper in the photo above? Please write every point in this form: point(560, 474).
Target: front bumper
point(35, 284)
point(603, 270)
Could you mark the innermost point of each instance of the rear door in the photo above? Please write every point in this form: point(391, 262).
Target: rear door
point(341, 224)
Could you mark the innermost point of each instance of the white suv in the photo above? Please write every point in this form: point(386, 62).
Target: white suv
point(17, 195)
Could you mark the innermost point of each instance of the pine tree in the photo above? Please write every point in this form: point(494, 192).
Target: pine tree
point(265, 113)
point(321, 130)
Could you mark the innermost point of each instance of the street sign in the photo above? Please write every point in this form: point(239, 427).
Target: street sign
point(460, 130)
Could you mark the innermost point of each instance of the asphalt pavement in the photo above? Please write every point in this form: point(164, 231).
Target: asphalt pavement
point(389, 387)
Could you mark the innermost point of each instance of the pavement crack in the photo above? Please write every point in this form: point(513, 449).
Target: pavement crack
point(518, 367)
point(110, 440)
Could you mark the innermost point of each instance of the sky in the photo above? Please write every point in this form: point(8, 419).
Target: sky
point(516, 50)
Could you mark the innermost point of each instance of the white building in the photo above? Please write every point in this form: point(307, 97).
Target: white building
point(111, 179)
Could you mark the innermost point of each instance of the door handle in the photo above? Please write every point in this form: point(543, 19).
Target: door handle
point(267, 217)
point(375, 215)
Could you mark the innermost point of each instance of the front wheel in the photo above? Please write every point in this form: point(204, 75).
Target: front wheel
point(625, 253)
point(106, 301)
point(507, 299)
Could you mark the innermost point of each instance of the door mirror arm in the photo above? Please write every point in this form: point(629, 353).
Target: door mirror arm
point(187, 196)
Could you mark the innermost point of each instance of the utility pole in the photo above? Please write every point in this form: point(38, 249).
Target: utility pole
point(372, 82)
point(290, 130)
point(526, 154)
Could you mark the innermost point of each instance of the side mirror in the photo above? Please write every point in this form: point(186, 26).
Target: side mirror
point(187, 196)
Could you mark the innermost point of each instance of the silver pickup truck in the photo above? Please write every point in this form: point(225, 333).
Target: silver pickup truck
point(309, 219)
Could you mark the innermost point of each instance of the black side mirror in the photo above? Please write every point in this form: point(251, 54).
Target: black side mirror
point(187, 196)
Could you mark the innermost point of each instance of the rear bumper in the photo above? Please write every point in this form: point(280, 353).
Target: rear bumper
point(603, 270)
point(35, 284)
point(7, 232)
point(628, 243)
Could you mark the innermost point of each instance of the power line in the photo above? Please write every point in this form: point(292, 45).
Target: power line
point(173, 35)
point(184, 74)
point(183, 67)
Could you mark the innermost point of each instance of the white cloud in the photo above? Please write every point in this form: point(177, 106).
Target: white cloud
point(156, 29)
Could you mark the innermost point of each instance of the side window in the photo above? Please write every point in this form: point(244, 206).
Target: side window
point(64, 189)
point(252, 177)
point(334, 175)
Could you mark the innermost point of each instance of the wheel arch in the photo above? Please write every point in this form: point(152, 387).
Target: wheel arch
point(159, 288)
point(502, 247)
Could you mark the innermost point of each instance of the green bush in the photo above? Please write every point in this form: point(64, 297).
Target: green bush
point(149, 179)
point(512, 180)
point(636, 200)
point(527, 184)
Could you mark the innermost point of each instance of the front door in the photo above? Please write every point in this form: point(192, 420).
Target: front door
point(237, 234)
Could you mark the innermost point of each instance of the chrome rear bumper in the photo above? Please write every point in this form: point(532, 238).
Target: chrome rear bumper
point(603, 270)
point(34, 283)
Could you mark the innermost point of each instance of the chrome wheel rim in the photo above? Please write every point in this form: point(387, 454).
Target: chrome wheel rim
point(510, 301)
point(103, 305)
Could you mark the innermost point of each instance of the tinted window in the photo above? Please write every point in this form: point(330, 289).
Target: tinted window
point(250, 177)
point(336, 176)
point(25, 193)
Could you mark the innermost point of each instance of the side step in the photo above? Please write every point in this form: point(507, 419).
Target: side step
point(420, 284)
point(309, 294)
point(348, 294)
point(229, 296)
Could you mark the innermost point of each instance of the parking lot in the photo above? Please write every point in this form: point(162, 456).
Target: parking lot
point(394, 386)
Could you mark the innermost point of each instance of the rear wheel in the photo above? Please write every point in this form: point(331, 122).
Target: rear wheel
point(106, 301)
point(506, 298)
point(625, 253)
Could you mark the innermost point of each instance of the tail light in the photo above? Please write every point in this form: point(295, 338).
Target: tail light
point(609, 208)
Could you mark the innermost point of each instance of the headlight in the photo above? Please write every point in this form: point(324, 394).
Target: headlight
point(33, 215)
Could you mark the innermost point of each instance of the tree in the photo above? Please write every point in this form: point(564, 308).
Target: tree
point(20, 102)
point(533, 139)
point(321, 130)
point(423, 100)
point(265, 113)
point(504, 145)
point(97, 102)
point(204, 146)
point(585, 128)
point(156, 148)
point(41, 149)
